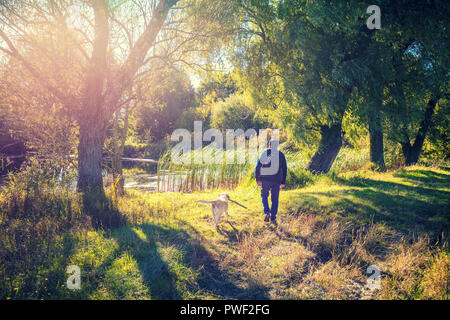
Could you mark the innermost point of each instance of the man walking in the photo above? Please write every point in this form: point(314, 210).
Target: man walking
point(270, 174)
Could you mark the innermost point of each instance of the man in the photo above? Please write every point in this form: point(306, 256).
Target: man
point(270, 174)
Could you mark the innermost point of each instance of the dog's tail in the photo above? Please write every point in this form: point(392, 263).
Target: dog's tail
point(204, 201)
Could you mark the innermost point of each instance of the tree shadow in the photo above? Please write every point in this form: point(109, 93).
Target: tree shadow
point(254, 290)
point(161, 273)
point(304, 202)
point(403, 207)
point(101, 209)
point(424, 177)
point(445, 168)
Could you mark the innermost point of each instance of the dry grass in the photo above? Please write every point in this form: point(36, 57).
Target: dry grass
point(328, 235)
point(415, 271)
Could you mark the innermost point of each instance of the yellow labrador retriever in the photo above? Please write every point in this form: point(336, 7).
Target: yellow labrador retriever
point(220, 206)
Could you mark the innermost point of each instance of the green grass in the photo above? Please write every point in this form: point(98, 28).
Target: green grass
point(329, 232)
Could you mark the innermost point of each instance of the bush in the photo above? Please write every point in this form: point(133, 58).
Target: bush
point(235, 113)
point(38, 218)
point(298, 177)
point(349, 159)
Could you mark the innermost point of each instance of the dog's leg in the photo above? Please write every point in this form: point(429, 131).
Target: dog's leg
point(214, 214)
point(226, 215)
point(218, 216)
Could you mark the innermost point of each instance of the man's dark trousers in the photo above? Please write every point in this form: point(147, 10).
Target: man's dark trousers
point(274, 188)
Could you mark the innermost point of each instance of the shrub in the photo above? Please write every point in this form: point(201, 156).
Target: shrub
point(234, 113)
point(298, 177)
point(38, 217)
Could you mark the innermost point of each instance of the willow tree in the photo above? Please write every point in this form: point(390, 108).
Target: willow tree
point(418, 39)
point(308, 61)
point(117, 41)
point(305, 60)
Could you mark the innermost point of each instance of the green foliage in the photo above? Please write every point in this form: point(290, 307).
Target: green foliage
point(216, 85)
point(298, 178)
point(420, 63)
point(350, 159)
point(235, 112)
point(213, 90)
point(310, 63)
point(187, 118)
point(165, 96)
point(307, 60)
point(437, 145)
point(38, 216)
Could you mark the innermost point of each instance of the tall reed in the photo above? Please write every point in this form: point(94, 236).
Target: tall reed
point(217, 169)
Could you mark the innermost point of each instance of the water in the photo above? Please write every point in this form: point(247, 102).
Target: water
point(144, 182)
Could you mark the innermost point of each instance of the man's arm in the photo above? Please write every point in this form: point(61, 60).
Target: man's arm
point(258, 170)
point(283, 169)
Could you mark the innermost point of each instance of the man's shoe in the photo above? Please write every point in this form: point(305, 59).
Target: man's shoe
point(267, 217)
point(274, 222)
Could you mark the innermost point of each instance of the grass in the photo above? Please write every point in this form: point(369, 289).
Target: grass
point(329, 232)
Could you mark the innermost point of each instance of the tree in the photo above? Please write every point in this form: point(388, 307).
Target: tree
point(116, 39)
point(308, 61)
point(164, 96)
point(305, 60)
point(437, 144)
point(218, 85)
point(34, 118)
point(235, 112)
point(418, 39)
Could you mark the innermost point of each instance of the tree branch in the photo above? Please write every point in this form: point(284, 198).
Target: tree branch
point(136, 57)
point(34, 72)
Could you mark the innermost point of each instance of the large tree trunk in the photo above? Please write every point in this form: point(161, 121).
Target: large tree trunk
point(330, 144)
point(412, 153)
point(90, 181)
point(90, 151)
point(91, 120)
point(406, 150)
point(376, 141)
point(92, 138)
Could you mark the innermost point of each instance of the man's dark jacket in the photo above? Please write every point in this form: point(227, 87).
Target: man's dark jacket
point(265, 161)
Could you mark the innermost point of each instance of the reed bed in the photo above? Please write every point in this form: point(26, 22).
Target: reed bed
point(218, 169)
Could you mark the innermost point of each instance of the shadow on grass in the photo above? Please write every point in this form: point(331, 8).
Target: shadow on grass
point(425, 177)
point(167, 258)
point(38, 276)
point(420, 207)
point(101, 209)
point(171, 261)
point(233, 235)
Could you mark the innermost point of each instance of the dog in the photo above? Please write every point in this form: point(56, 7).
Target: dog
point(220, 206)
